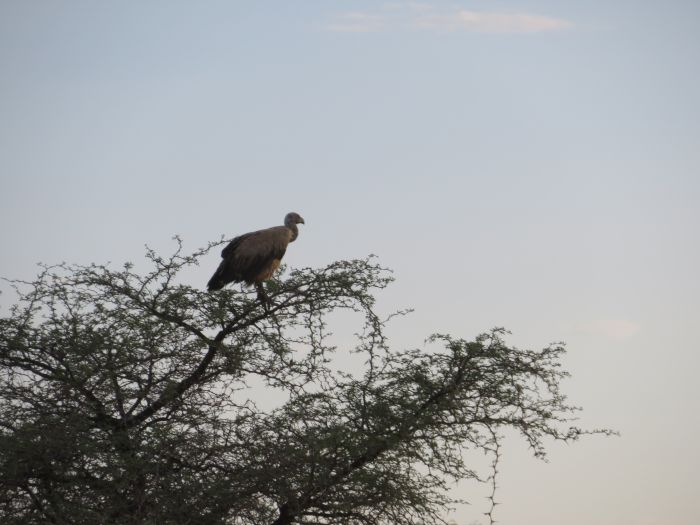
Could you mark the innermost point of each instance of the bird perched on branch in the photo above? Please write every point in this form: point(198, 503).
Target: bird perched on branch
point(253, 257)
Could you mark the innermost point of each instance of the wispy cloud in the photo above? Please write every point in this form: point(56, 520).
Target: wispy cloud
point(424, 16)
point(357, 22)
point(610, 328)
point(491, 22)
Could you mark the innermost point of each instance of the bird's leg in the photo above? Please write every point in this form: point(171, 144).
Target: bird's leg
point(262, 296)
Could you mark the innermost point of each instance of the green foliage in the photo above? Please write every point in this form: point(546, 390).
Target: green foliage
point(123, 401)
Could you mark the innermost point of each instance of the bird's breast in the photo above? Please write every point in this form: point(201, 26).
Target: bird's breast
point(267, 272)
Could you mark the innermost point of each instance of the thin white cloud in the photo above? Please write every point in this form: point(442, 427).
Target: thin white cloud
point(424, 16)
point(357, 22)
point(610, 328)
point(491, 22)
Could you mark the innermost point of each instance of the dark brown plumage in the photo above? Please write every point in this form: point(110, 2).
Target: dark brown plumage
point(253, 257)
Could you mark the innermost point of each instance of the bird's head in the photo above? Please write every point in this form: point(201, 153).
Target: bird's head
point(293, 218)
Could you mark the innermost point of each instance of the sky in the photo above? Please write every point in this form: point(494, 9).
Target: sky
point(527, 164)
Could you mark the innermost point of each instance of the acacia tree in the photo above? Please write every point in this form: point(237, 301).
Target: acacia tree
point(124, 399)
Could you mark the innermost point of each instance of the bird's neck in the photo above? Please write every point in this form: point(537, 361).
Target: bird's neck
point(295, 231)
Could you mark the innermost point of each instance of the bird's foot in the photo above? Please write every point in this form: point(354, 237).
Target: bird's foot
point(263, 297)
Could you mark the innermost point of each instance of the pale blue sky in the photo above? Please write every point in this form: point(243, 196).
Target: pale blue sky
point(531, 164)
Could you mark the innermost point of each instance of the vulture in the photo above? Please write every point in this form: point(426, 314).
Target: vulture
point(253, 257)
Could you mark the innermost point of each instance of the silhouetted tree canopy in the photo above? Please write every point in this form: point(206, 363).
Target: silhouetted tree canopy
point(124, 399)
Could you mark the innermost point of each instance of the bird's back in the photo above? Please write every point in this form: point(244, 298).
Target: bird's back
point(251, 257)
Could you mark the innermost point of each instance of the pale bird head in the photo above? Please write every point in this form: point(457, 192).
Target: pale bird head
point(293, 218)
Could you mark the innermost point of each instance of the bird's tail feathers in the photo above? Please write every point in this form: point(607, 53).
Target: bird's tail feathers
point(212, 285)
point(216, 282)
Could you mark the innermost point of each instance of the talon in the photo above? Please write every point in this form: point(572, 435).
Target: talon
point(263, 297)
